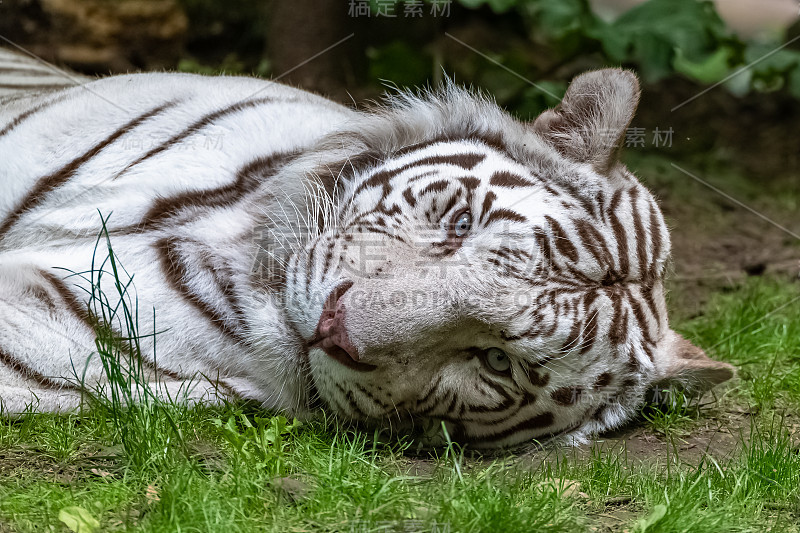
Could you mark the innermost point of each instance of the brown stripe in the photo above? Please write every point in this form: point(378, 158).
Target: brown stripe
point(36, 86)
point(563, 243)
point(639, 233)
point(427, 396)
point(465, 161)
point(327, 264)
point(603, 380)
point(488, 200)
point(247, 179)
point(81, 311)
point(30, 112)
point(409, 197)
point(655, 234)
point(310, 262)
point(619, 235)
point(539, 421)
point(420, 145)
point(508, 179)
point(471, 183)
point(451, 202)
point(617, 333)
point(575, 193)
point(333, 176)
point(436, 186)
point(641, 318)
point(565, 396)
point(594, 242)
point(176, 272)
point(421, 176)
point(589, 330)
point(198, 125)
point(48, 183)
point(647, 295)
point(354, 408)
point(372, 397)
point(491, 140)
point(452, 405)
point(27, 372)
point(504, 214)
point(544, 245)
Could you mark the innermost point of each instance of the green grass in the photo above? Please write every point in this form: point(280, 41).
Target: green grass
point(153, 465)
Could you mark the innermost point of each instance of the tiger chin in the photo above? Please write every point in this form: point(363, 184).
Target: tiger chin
point(432, 265)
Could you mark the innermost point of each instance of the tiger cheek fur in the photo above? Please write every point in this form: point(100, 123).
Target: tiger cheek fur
point(431, 261)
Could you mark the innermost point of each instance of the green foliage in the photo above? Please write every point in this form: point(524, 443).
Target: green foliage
point(260, 443)
point(142, 421)
point(674, 411)
point(213, 468)
point(653, 34)
point(399, 63)
point(655, 516)
point(498, 6)
point(757, 330)
point(660, 38)
point(51, 480)
point(78, 519)
point(664, 38)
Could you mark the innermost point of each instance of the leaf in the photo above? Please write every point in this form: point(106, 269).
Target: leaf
point(616, 44)
point(739, 85)
point(653, 31)
point(562, 17)
point(766, 58)
point(564, 488)
point(709, 70)
point(659, 512)
point(498, 6)
point(655, 57)
point(78, 519)
point(101, 473)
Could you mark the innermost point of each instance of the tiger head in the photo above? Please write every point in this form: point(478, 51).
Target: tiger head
point(503, 278)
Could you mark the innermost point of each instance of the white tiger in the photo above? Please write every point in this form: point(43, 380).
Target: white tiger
point(433, 259)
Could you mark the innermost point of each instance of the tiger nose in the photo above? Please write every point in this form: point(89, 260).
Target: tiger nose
point(331, 324)
point(331, 334)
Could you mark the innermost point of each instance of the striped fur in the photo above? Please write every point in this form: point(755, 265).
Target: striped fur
point(243, 206)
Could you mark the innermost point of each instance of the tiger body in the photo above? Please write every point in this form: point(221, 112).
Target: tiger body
point(433, 260)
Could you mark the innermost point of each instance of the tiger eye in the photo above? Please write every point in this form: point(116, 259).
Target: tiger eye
point(497, 360)
point(463, 224)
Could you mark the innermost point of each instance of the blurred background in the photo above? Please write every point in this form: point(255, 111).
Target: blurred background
point(717, 136)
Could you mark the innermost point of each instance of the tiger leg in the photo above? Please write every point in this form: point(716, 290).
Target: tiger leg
point(48, 356)
point(39, 342)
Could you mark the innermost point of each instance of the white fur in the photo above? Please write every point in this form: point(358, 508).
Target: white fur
point(315, 200)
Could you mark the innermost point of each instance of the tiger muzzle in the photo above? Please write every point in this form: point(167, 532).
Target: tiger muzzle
point(331, 336)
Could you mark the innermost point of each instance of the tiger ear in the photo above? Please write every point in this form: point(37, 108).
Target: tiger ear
point(683, 364)
point(589, 124)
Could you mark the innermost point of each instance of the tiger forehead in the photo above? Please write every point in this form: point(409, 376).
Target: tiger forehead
point(466, 155)
point(584, 227)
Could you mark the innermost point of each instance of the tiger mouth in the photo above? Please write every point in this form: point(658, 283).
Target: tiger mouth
point(330, 335)
point(338, 353)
